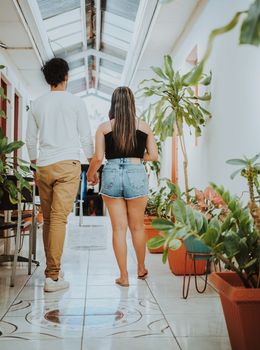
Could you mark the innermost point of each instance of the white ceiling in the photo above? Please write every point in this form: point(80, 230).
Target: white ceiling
point(22, 54)
point(170, 22)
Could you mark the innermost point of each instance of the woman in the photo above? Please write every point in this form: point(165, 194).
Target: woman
point(125, 141)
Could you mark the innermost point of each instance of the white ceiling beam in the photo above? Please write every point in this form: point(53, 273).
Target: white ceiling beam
point(84, 38)
point(93, 52)
point(144, 19)
point(98, 39)
point(30, 15)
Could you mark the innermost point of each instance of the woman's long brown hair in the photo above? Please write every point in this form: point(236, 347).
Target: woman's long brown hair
point(122, 110)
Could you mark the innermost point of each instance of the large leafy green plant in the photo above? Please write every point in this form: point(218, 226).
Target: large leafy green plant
point(249, 34)
point(10, 164)
point(234, 241)
point(176, 105)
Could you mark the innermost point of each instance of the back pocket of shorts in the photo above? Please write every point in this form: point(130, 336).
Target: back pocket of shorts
point(137, 178)
point(108, 179)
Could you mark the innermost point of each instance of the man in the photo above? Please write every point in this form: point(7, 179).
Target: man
point(58, 121)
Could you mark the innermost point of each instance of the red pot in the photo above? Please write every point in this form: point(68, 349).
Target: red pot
point(151, 232)
point(176, 260)
point(241, 308)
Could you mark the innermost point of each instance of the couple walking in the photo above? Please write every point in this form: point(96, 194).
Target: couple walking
point(59, 125)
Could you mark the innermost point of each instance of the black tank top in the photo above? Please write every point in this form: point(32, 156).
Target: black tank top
point(138, 152)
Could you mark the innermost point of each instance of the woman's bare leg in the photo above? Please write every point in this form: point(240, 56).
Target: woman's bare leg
point(135, 213)
point(118, 214)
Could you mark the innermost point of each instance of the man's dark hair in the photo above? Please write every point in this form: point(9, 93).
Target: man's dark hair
point(55, 71)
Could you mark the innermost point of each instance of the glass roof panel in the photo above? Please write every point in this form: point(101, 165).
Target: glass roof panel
point(63, 19)
point(53, 8)
point(118, 21)
point(119, 44)
point(111, 65)
point(114, 51)
point(123, 8)
point(116, 32)
point(106, 89)
point(108, 79)
point(66, 41)
point(76, 63)
point(68, 29)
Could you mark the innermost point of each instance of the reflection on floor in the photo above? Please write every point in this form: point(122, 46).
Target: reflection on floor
point(97, 314)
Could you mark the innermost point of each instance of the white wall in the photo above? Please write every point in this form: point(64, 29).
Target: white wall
point(235, 127)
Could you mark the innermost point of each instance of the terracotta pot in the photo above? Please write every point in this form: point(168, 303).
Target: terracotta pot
point(151, 232)
point(176, 260)
point(241, 308)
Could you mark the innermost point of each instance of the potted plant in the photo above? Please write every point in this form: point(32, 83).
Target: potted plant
point(235, 242)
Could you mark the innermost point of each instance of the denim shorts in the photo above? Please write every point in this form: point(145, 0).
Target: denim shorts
point(123, 179)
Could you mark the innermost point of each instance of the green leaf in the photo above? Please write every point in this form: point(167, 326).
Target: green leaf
point(159, 72)
point(207, 80)
point(165, 255)
point(13, 146)
point(168, 66)
point(255, 158)
point(1, 66)
point(194, 76)
point(210, 237)
point(179, 209)
point(191, 217)
point(250, 29)
point(156, 242)
point(236, 162)
point(175, 244)
point(205, 97)
point(198, 220)
point(250, 263)
point(2, 114)
point(162, 224)
point(235, 173)
point(182, 232)
point(231, 243)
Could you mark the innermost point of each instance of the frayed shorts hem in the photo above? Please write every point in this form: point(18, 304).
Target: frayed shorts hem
point(106, 195)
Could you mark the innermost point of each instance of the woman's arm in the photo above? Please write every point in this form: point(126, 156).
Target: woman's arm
point(98, 157)
point(151, 153)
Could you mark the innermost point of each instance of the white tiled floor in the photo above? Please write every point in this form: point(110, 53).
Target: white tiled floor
point(96, 314)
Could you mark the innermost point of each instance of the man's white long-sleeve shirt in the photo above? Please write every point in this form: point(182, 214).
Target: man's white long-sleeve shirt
point(58, 123)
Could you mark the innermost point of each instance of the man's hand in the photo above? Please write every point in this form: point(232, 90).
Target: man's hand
point(93, 179)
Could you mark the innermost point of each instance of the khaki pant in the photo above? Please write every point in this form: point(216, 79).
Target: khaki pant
point(58, 185)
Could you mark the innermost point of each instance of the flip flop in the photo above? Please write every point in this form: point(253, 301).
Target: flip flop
point(142, 277)
point(122, 284)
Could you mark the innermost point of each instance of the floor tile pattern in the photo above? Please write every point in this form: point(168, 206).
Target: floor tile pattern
point(96, 314)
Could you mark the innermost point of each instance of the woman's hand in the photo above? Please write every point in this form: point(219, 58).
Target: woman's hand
point(92, 178)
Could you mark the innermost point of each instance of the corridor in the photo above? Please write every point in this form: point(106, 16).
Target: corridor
point(104, 103)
